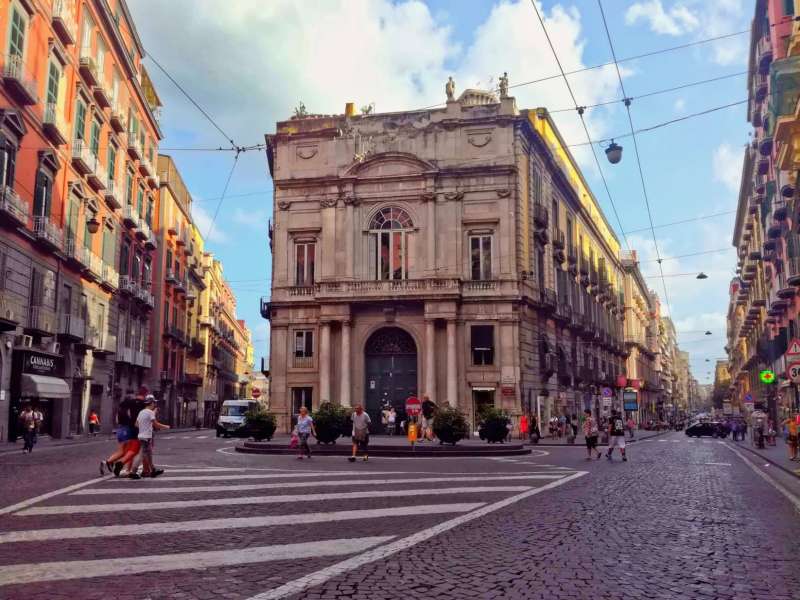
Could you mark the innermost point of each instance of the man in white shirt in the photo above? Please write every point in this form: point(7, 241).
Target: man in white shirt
point(147, 423)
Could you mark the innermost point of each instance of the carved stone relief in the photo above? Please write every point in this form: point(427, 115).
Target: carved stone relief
point(454, 196)
point(284, 204)
point(479, 137)
point(328, 203)
point(307, 151)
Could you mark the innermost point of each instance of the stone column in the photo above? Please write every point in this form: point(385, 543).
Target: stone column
point(324, 362)
point(348, 244)
point(344, 392)
point(430, 360)
point(451, 364)
point(431, 241)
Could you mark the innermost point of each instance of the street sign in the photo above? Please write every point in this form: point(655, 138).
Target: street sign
point(413, 406)
point(793, 371)
point(607, 392)
point(748, 398)
point(794, 348)
point(256, 393)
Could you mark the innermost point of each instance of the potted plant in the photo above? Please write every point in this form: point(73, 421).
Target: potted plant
point(450, 426)
point(493, 425)
point(331, 421)
point(261, 424)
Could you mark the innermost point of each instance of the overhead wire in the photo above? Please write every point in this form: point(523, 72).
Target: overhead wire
point(222, 197)
point(583, 122)
point(638, 157)
point(682, 221)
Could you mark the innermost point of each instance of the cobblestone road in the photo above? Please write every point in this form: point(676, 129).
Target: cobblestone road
point(682, 519)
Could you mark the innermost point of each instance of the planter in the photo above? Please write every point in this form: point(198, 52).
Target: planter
point(331, 422)
point(494, 426)
point(260, 425)
point(450, 426)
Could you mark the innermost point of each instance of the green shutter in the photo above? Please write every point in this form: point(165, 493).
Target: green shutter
point(16, 44)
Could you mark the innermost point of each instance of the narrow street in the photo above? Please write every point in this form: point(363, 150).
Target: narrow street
point(683, 518)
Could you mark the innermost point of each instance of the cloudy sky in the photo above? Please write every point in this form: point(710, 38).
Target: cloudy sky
point(250, 63)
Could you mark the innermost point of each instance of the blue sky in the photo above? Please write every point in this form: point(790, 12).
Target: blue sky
point(250, 65)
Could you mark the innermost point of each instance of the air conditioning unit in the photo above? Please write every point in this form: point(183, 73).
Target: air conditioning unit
point(8, 313)
point(26, 341)
point(54, 347)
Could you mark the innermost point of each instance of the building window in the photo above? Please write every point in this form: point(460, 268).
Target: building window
point(112, 161)
point(80, 120)
point(43, 195)
point(8, 164)
point(482, 343)
point(16, 38)
point(303, 348)
point(480, 248)
point(304, 260)
point(129, 188)
point(389, 244)
point(94, 139)
point(124, 257)
point(140, 202)
point(108, 244)
point(53, 82)
point(300, 397)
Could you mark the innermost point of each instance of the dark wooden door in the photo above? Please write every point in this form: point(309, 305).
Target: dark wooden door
point(391, 373)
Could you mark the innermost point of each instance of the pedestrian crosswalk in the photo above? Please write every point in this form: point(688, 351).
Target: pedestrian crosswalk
point(197, 518)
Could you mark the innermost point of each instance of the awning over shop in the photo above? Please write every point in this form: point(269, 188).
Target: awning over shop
point(41, 386)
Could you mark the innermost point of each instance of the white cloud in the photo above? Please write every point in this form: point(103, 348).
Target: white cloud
point(202, 219)
point(678, 20)
point(727, 166)
point(702, 19)
point(255, 219)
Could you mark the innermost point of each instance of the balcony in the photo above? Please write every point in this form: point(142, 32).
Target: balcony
point(154, 181)
point(193, 379)
point(130, 218)
point(101, 95)
point(12, 208)
point(540, 216)
point(134, 149)
point(124, 354)
point(88, 67)
point(548, 298)
point(75, 252)
point(17, 83)
point(143, 230)
point(82, 158)
point(117, 120)
point(98, 177)
point(42, 320)
point(48, 233)
point(54, 126)
point(71, 327)
point(145, 168)
point(146, 297)
point(182, 238)
point(128, 285)
point(559, 240)
point(171, 277)
point(764, 55)
point(196, 348)
point(108, 345)
point(64, 22)
point(13, 309)
point(384, 289)
point(110, 278)
point(112, 195)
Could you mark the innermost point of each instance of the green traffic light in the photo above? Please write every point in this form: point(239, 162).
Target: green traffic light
point(767, 376)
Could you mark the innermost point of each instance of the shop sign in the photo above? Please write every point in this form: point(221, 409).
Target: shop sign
point(630, 400)
point(37, 363)
point(507, 390)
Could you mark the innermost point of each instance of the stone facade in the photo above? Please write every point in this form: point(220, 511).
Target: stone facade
point(455, 253)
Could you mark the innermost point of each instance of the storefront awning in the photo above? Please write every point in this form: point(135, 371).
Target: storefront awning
point(476, 388)
point(41, 386)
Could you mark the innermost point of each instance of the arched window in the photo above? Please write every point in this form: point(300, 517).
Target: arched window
point(388, 243)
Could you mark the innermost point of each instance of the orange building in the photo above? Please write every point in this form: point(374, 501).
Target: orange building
point(78, 140)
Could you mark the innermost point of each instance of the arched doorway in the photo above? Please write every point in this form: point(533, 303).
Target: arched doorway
point(390, 364)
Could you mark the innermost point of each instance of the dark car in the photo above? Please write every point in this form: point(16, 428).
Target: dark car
point(708, 429)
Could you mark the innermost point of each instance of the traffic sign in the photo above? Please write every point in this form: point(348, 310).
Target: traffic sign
point(256, 393)
point(793, 371)
point(413, 406)
point(607, 392)
point(794, 348)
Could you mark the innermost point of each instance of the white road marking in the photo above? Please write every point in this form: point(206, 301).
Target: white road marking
point(135, 489)
point(292, 475)
point(303, 583)
point(182, 504)
point(708, 463)
point(37, 499)
point(201, 437)
point(71, 533)
point(110, 567)
point(782, 490)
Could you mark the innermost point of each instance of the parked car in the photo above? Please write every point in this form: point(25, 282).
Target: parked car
point(232, 420)
point(708, 429)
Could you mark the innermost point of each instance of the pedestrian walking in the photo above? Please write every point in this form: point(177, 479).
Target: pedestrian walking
point(391, 421)
point(574, 423)
point(147, 423)
point(523, 426)
point(791, 439)
point(361, 422)
point(30, 425)
point(94, 423)
point(305, 427)
point(630, 426)
point(616, 435)
point(535, 433)
point(590, 433)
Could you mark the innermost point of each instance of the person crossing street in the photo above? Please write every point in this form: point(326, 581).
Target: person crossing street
point(361, 422)
point(616, 435)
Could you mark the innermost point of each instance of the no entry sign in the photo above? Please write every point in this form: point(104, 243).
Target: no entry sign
point(413, 406)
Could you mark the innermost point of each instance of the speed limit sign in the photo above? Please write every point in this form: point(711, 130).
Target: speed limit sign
point(793, 372)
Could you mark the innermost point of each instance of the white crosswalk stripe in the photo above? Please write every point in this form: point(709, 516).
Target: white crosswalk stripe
point(441, 500)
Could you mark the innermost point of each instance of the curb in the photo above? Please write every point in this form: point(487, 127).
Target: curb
point(389, 451)
point(769, 460)
point(12, 447)
point(627, 441)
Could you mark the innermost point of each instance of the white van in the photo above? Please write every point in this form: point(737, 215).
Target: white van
point(231, 419)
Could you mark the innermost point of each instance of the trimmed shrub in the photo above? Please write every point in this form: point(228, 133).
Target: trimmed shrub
point(260, 424)
point(493, 425)
point(450, 425)
point(331, 421)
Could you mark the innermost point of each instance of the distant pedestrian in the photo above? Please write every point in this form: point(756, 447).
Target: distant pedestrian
point(305, 427)
point(94, 423)
point(791, 439)
point(391, 421)
point(535, 433)
point(574, 424)
point(630, 426)
point(28, 422)
point(523, 426)
point(590, 433)
point(126, 420)
point(361, 423)
point(616, 435)
point(148, 424)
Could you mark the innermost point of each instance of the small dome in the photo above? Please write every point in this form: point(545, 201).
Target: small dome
point(477, 97)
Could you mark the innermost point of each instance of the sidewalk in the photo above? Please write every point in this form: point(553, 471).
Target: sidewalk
point(778, 455)
point(640, 434)
point(45, 441)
